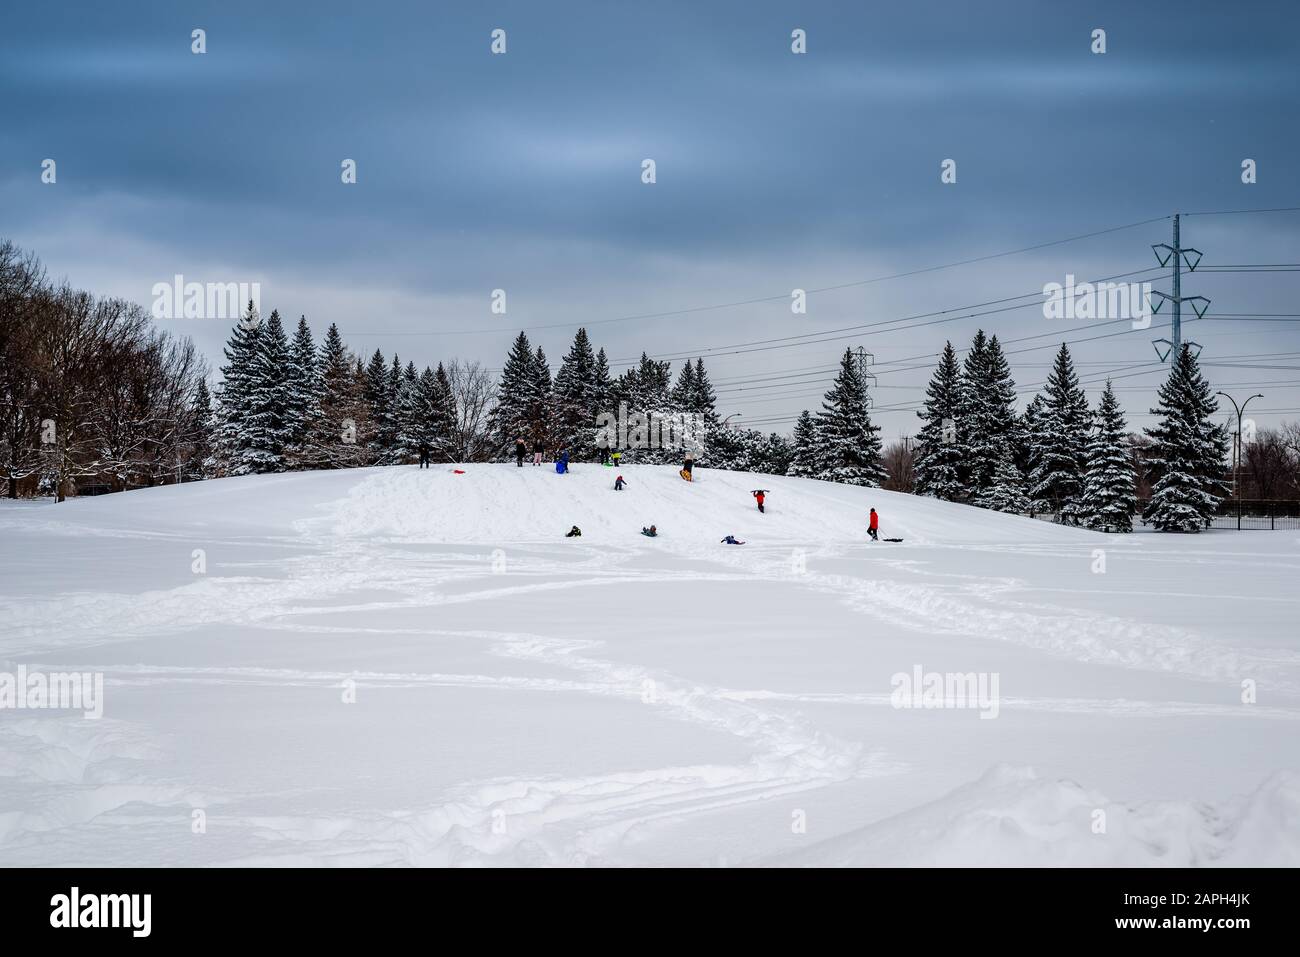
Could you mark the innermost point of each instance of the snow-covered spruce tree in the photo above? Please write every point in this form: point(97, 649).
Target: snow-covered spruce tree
point(380, 442)
point(199, 435)
point(233, 395)
point(684, 394)
point(780, 453)
point(604, 383)
point(805, 452)
point(1027, 434)
point(391, 424)
point(1187, 452)
point(705, 398)
point(645, 388)
point(303, 394)
point(1007, 491)
point(1059, 451)
point(270, 424)
point(408, 419)
point(443, 423)
point(340, 435)
point(975, 422)
point(541, 414)
point(850, 443)
point(575, 400)
point(434, 417)
point(940, 451)
point(1108, 499)
point(511, 418)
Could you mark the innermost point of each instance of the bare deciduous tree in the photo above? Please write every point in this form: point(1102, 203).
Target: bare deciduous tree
point(474, 391)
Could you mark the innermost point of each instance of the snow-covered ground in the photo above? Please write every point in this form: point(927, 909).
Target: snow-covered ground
point(395, 666)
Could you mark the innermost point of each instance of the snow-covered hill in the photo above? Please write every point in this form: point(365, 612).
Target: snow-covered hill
point(407, 666)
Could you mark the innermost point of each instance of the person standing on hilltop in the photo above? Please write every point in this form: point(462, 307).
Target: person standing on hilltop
point(520, 451)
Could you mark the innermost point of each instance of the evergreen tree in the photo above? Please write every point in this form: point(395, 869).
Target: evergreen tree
point(512, 418)
point(444, 422)
point(575, 400)
point(433, 426)
point(390, 425)
point(685, 393)
point(1108, 500)
point(1187, 452)
point(940, 452)
point(303, 392)
point(380, 412)
point(340, 435)
point(408, 419)
point(1059, 451)
point(235, 392)
point(1027, 434)
point(541, 415)
point(705, 398)
point(199, 440)
point(805, 458)
point(850, 443)
point(268, 425)
point(988, 420)
point(1006, 493)
point(780, 453)
point(604, 384)
point(974, 424)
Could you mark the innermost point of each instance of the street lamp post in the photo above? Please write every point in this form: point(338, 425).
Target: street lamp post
point(1236, 447)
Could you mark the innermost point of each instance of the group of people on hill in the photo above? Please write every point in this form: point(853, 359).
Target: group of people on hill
point(613, 457)
point(521, 451)
point(760, 496)
point(607, 457)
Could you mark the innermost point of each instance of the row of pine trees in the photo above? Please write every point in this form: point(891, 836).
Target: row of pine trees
point(1062, 457)
point(285, 403)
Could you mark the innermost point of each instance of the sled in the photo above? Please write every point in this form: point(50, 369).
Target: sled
point(457, 471)
point(685, 474)
point(891, 539)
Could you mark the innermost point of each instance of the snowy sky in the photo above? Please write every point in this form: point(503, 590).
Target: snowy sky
point(774, 171)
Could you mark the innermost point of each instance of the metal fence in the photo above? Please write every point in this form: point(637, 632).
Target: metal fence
point(1244, 514)
point(1254, 513)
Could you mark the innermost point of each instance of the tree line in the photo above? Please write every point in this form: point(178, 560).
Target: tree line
point(90, 390)
point(92, 394)
point(1061, 456)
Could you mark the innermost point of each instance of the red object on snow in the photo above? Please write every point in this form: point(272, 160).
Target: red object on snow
point(457, 471)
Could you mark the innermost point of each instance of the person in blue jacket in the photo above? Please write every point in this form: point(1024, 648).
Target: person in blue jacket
point(562, 463)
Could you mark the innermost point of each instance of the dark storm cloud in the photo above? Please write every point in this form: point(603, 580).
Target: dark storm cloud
point(523, 170)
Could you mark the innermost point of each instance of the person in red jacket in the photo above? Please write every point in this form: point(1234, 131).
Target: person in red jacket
point(758, 495)
point(873, 526)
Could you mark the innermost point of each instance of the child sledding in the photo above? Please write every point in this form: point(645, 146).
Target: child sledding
point(731, 540)
point(650, 532)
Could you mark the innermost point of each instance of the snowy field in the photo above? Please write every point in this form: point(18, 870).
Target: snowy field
point(405, 667)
